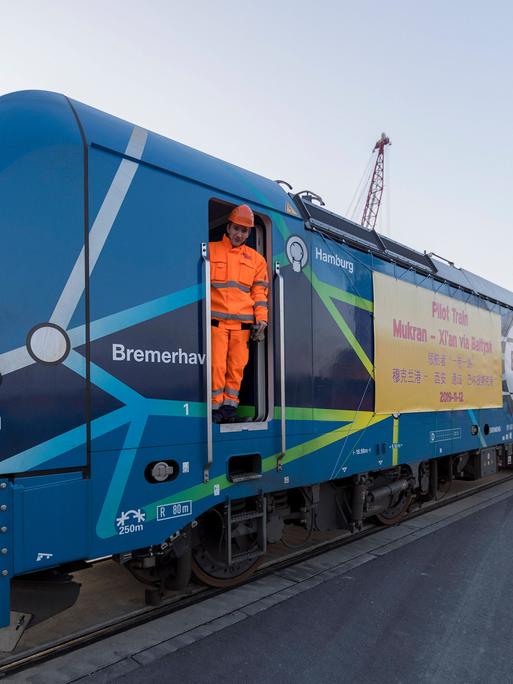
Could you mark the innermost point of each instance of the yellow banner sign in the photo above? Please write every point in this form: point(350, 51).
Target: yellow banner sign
point(433, 352)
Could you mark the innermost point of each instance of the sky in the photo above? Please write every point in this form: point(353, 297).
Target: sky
point(301, 91)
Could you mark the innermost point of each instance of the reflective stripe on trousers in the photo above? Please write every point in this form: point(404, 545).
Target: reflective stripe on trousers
point(217, 397)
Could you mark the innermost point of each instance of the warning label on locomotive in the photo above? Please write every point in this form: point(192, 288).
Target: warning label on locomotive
point(174, 510)
point(433, 352)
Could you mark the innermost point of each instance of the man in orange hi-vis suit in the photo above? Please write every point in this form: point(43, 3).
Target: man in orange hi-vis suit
point(239, 287)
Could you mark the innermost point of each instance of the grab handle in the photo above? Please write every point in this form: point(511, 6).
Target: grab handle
point(281, 351)
point(207, 316)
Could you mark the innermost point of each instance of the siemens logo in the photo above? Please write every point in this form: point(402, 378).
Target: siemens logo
point(334, 260)
point(122, 353)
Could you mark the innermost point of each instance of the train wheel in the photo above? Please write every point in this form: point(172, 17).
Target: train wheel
point(209, 563)
point(396, 511)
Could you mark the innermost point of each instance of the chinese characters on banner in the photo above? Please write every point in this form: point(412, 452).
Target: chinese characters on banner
point(433, 352)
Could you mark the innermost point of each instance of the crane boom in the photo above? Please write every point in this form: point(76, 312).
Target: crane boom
point(370, 213)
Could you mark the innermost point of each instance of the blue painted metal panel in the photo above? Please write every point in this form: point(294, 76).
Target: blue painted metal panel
point(43, 535)
point(173, 157)
point(42, 228)
point(6, 548)
point(41, 194)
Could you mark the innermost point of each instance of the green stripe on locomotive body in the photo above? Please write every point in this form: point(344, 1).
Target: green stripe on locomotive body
point(362, 421)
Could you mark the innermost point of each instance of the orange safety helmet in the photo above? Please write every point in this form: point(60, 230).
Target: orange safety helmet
point(242, 216)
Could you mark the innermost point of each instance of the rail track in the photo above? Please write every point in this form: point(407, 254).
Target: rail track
point(21, 659)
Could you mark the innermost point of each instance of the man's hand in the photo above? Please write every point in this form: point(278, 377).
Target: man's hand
point(257, 332)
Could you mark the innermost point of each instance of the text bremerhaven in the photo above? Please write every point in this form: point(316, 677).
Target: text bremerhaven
point(179, 356)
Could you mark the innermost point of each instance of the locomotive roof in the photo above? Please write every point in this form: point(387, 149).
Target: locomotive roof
point(475, 283)
point(112, 134)
point(321, 219)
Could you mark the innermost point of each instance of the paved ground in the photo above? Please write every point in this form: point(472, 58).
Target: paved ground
point(437, 610)
point(432, 601)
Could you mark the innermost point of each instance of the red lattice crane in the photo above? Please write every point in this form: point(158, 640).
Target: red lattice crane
point(370, 213)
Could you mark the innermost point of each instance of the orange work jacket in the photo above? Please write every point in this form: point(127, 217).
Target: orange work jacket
point(239, 282)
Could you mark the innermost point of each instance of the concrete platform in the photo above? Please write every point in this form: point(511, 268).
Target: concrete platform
point(427, 601)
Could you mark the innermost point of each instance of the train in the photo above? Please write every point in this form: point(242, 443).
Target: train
point(384, 370)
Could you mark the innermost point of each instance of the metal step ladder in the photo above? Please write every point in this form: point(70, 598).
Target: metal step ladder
point(231, 520)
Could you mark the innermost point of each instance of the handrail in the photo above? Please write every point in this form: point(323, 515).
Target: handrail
point(281, 307)
point(207, 316)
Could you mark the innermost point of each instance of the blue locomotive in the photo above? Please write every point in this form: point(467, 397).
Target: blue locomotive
point(107, 446)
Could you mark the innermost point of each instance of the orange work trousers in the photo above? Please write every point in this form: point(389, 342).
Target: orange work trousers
point(230, 355)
